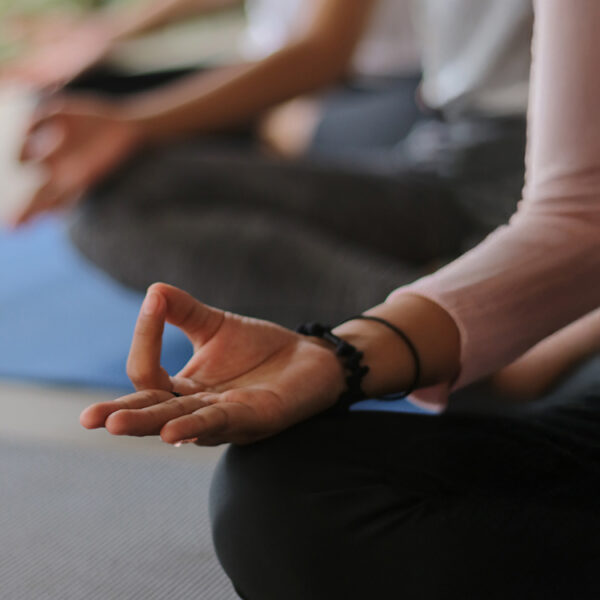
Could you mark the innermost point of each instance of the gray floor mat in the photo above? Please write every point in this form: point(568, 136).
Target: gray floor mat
point(96, 525)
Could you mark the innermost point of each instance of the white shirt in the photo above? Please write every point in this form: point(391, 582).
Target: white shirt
point(388, 46)
point(476, 54)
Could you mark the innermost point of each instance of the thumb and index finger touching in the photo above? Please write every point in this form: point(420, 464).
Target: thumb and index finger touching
point(165, 303)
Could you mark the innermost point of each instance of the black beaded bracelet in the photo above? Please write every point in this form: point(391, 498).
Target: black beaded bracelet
point(350, 358)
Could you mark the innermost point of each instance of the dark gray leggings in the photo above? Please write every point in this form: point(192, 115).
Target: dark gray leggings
point(383, 196)
point(294, 241)
point(453, 507)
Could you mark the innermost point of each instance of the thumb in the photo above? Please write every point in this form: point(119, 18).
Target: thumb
point(143, 364)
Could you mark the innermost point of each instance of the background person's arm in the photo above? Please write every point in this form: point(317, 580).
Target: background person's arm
point(81, 155)
point(320, 55)
point(61, 47)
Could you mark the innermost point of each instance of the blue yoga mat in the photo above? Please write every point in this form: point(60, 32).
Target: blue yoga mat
point(63, 321)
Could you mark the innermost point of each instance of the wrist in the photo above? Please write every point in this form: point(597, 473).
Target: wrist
point(391, 362)
point(348, 359)
point(148, 127)
point(139, 129)
point(336, 381)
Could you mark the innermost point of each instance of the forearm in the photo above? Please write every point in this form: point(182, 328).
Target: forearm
point(540, 273)
point(314, 57)
point(233, 95)
point(545, 364)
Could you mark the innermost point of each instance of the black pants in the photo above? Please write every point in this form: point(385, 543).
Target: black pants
point(382, 506)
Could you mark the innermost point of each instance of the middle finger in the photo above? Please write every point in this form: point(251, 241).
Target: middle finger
point(150, 420)
point(96, 415)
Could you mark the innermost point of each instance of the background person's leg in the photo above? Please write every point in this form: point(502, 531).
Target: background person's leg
point(253, 234)
point(250, 263)
point(405, 506)
point(366, 114)
point(291, 240)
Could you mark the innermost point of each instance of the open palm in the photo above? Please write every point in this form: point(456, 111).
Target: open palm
point(246, 380)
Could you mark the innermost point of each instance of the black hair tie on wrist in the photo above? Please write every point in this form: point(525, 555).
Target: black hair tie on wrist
point(350, 358)
point(413, 350)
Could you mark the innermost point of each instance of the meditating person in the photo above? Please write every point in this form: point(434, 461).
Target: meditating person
point(234, 220)
point(290, 48)
point(374, 505)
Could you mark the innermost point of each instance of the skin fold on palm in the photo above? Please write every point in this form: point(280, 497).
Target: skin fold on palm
point(246, 380)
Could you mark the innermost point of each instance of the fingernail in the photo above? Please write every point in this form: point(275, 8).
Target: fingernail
point(182, 442)
point(151, 304)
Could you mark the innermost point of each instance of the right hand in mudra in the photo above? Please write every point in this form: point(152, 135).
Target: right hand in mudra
point(77, 141)
point(247, 379)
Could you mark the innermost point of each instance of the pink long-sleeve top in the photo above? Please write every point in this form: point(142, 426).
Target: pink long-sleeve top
point(542, 271)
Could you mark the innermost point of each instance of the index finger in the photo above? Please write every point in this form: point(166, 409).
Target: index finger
point(143, 363)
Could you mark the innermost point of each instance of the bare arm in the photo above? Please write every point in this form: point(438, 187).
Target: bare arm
point(61, 48)
point(231, 96)
point(202, 103)
point(546, 363)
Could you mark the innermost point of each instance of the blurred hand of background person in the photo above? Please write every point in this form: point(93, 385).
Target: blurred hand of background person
point(59, 48)
point(61, 45)
point(91, 138)
point(77, 141)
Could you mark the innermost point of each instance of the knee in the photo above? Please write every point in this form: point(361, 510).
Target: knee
point(256, 521)
point(275, 527)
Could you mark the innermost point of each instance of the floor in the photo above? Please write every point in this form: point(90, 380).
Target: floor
point(88, 515)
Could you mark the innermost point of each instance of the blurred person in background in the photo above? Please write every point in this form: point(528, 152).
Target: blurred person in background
point(368, 187)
